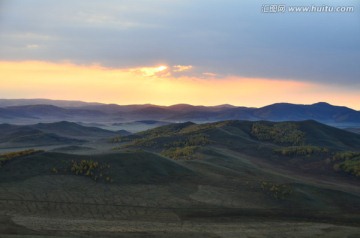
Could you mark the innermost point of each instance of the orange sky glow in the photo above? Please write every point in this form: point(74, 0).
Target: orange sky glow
point(157, 85)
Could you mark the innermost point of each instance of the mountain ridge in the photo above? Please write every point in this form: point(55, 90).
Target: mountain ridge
point(323, 112)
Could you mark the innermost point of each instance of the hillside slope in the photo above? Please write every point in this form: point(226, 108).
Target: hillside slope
point(75, 130)
point(27, 136)
point(189, 176)
point(305, 146)
point(46, 134)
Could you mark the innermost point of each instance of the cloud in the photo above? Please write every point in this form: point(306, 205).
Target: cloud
point(32, 46)
point(182, 68)
point(211, 75)
point(223, 37)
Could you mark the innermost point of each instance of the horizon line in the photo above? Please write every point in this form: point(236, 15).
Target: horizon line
point(171, 105)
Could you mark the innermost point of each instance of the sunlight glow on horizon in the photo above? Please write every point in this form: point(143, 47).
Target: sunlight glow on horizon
point(150, 71)
point(161, 68)
point(156, 85)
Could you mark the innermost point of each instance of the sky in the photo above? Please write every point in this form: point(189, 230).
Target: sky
point(201, 52)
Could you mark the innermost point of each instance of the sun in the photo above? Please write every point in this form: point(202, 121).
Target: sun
point(161, 68)
point(150, 71)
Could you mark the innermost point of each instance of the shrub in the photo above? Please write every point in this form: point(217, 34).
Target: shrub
point(278, 191)
point(350, 166)
point(178, 153)
point(89, 168)
point(348, 162)
point(344, 155)
point(301, 150)
point(195, 140)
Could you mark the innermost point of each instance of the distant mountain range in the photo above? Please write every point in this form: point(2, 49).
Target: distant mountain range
point(38, 110)
point(59, 103)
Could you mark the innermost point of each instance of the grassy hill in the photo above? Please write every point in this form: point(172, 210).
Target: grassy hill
point(247, 132)
point(47, 134)
point(189, 176)
point(220, 182)
point(124, 168)
point(309, 144)
point(27, 136)
point(75, 130)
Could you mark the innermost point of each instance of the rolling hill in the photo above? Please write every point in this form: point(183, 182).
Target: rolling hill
point(27, 136)
point(308, 144)
point(74, 130)
point(315, 133)
point(231, 168)
point(46, 134)
point(238, 174)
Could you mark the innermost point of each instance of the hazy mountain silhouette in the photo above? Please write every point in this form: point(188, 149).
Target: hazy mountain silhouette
point(322, 112)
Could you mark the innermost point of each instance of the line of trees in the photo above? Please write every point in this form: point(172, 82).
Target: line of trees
point(301, 150)
point(177, 153)
point(4, 158)
point(95, 170)
point(345, 155)
point(351, 166)
point(348, 162)
point(195, 140)
point(284, 133)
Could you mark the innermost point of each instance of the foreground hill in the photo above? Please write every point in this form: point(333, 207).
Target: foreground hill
point(189, 180)
point(226, 184)
point(311, 146)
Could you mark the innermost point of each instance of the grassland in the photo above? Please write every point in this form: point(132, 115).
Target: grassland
point(221, 179)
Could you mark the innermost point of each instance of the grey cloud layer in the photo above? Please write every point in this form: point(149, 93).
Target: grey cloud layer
point(224, 37)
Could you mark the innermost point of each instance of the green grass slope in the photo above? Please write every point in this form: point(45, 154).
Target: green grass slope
point(305, 145)
point(181, 172)
point(70, 129)
point(322, 135)
point(315, 133)
point(124, 167)
point(26, 136)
